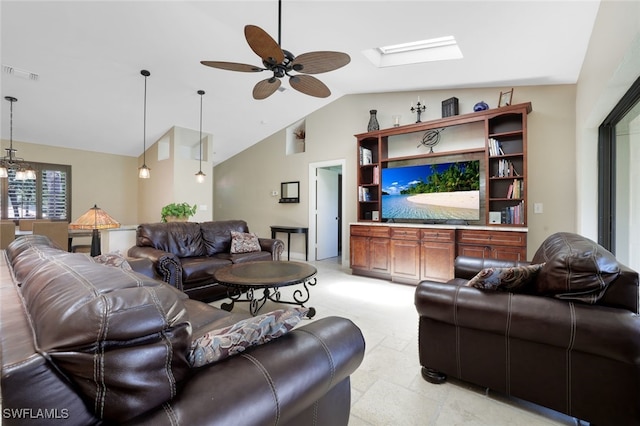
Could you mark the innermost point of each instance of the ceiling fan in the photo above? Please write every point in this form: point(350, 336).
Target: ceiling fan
point(283, 63)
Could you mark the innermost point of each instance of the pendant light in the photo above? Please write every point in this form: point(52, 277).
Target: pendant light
point(144, 172)
point(23, 170)
point(200, 176)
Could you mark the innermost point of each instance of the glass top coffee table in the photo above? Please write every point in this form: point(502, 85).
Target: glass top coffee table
point(244, 280)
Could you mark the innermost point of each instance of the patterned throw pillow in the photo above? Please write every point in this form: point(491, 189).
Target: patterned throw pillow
point(505, 279)
point(244, 242)
point(113, 259)
point(217, 345)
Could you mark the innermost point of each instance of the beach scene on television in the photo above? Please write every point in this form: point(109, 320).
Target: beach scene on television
point(445, 191)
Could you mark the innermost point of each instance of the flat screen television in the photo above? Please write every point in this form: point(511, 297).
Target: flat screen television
point(441, 192)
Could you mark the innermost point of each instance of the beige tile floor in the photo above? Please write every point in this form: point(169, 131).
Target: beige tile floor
point(387, 389)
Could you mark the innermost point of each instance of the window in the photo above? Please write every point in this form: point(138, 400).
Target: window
point(46, 197)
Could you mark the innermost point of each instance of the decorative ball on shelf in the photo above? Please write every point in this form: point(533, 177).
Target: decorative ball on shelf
point(481, 106)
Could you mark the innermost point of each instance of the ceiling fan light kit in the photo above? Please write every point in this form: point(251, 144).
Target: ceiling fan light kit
point(283, 63)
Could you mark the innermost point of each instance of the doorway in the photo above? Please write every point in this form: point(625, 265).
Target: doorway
point(325, 209)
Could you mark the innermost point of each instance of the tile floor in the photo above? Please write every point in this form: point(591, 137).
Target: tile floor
point(387, 389)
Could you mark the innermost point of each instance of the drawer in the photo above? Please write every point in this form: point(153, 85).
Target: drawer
point(498, 238)
point(370, 231)
point(443, 235)
point(405, 233)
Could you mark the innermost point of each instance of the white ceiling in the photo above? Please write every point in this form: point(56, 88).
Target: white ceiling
point(88, 55)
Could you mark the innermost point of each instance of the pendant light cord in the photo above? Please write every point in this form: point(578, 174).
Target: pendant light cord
point(144, 124)
point(201, 92)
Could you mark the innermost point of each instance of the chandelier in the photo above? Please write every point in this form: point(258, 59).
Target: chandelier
point(23, 170)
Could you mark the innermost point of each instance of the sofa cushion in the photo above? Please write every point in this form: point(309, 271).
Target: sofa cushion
point(576, 268)
point(244, 242)
point(219, 344)
point(216, 235)
point(120, 337)
point(246, 257)
point(180, 238)
point(201, 267)
point(514, 279)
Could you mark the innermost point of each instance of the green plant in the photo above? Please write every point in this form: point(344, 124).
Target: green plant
point(182, 210)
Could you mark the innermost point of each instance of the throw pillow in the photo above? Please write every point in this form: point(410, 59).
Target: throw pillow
point(244, 242)
point(219, 344)
point(113, 259)
point(505, 279)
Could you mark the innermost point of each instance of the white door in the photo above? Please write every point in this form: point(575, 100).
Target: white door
point(327, 219)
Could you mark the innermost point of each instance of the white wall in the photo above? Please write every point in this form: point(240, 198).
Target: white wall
point(611, 65)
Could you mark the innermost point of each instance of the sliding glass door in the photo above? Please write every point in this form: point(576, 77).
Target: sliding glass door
point(619, 180)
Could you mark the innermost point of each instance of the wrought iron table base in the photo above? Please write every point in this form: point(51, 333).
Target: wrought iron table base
point(269, 293)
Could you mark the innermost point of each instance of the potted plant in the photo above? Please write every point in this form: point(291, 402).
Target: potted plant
point(177, 212)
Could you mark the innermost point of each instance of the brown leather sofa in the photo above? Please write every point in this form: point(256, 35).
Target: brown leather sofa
point(568, 340)
point(86, 344)
point(186, 254)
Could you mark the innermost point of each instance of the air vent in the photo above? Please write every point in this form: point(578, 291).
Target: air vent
point(17, 72)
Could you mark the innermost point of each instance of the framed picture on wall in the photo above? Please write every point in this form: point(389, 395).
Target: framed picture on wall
point(505, 98)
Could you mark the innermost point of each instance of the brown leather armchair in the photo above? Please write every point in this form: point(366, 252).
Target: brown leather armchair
point(569, 340)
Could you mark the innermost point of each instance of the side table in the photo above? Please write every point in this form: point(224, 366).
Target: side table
point(293, 230)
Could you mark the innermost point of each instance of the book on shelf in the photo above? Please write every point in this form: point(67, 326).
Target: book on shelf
point(515, 189)
point(494, 148)
point(513, 215)
point(376, 175)
point(366, 156)
point(506, 168)
point(363, 194)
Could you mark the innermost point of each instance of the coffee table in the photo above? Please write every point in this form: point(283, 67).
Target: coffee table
point(244, 281)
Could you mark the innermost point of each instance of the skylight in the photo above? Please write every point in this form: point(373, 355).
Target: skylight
point(435, 49)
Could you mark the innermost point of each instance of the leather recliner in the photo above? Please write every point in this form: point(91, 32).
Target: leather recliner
point(569, 340)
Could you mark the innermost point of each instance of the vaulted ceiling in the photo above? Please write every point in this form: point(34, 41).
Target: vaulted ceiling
point(88, 55)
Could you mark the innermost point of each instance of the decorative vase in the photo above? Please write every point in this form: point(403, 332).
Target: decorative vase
point(480, 106)
point(373, 121)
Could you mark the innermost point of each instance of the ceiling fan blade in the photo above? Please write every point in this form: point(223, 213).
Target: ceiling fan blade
point(309, 86)
point(319, 62)
point(263, 45)
point(232, 66)
point(265, 88)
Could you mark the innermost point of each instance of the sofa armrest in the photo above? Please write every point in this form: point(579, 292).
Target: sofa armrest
point(166, 264)
point(144, 266)
point(271, 383)
point(467, 267)
point(273, 246)
point(573, 326)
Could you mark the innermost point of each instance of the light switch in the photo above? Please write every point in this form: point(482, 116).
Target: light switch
point(537, 208)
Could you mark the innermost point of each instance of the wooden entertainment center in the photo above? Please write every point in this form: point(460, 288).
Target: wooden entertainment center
point(419, 250)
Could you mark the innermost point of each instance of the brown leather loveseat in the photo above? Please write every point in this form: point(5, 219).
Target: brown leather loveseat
point(567, 337)
point(186, 254)
point(83, 343)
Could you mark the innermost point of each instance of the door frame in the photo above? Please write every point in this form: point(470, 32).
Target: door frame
point(312, 200)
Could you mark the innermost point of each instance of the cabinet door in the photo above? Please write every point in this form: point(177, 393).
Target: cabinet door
point(359, 252)
point(437, 261)
point(474, 251)
point(379, 254)
point(405, 259)
point(509, 253)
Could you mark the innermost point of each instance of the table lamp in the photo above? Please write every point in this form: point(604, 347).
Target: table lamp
point(95, 219)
